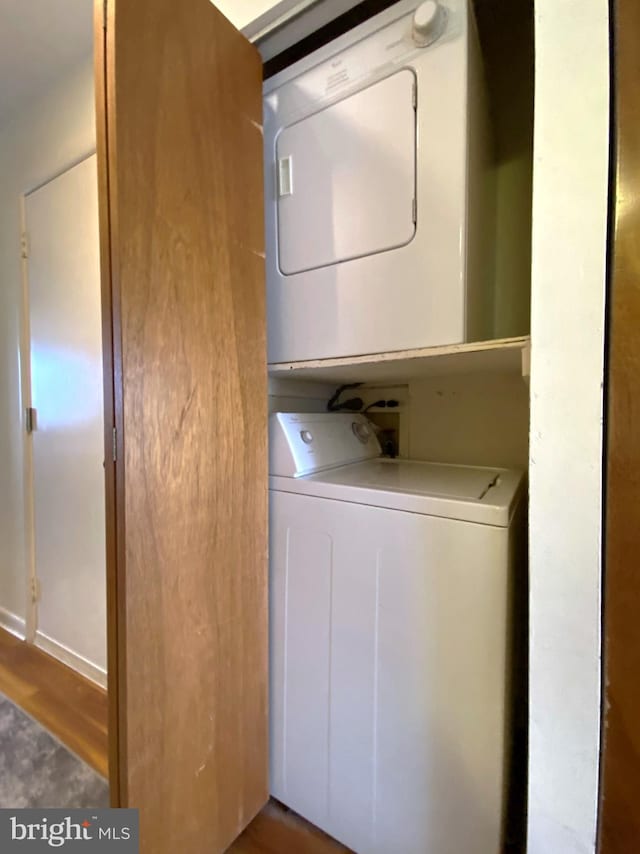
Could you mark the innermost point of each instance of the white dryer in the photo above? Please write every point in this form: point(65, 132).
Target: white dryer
point(390, 619)
point(380, 208)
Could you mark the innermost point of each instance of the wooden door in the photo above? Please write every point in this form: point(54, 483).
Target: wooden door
point(619, 814)
point(180, 158)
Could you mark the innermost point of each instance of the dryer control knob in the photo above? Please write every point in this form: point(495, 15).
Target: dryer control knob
point(428, 22)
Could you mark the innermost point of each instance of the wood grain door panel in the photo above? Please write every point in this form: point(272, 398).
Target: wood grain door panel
point(619, 814)
point(183, 163)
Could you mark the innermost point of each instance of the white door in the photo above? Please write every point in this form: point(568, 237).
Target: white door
point(68, 439)
point(347, 178)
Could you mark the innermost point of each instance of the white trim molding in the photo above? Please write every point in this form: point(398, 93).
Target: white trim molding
point(72, 659)
point(12, 623)
point(569, 276)
point(31, 619)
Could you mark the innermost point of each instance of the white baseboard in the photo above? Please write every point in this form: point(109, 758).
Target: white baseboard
point(72, 659)
point(12, 623)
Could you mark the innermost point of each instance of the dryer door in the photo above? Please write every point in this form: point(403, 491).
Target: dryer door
point(347, 177)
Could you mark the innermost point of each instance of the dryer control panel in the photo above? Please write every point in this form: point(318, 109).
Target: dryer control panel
point(305, 443)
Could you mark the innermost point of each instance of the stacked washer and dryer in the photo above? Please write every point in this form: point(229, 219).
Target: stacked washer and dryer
point(390, 579)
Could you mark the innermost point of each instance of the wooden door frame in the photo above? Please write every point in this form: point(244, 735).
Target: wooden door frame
point(112, 418)
point(619, 818)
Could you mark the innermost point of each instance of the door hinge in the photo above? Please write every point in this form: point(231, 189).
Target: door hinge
point(30, 419)
point(414, 211)
point(35, 589)
point(24, 245)
point(114, 448)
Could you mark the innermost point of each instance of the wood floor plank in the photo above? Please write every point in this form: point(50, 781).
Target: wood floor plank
point(78, 732)
point(13, 684)
point(278, 831)
point(57, 680)
point(73, 709)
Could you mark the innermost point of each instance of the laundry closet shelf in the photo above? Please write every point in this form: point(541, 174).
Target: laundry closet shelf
point(503, 355)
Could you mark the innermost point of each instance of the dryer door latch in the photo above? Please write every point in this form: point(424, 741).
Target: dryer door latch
point(285, 176)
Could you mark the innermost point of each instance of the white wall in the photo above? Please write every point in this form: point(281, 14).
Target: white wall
point(470, 419)
point(569, 231)
point(509, 68)
point(46, 137)
point(241, 13)
point(298, 396)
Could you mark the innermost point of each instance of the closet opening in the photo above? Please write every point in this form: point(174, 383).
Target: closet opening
point(459, 405)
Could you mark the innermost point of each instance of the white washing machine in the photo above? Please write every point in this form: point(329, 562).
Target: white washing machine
point(380, 197)
point(390, 621)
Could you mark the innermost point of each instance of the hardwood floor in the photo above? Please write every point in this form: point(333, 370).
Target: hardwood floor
point(75, 711)
point(278, 831)
point(65, 703)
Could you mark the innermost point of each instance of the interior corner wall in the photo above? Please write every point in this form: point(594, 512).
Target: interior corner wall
point(44, 138)
point(287, 395)
point(470, 419)
point(570, 204)
point(511, 80)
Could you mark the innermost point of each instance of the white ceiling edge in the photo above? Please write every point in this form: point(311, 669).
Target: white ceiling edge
point(251, 16)
point(276, 16)
point(290, 21)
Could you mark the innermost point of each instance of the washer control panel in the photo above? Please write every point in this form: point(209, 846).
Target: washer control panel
point(305, 443)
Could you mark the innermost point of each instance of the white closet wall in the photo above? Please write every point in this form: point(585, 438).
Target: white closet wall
point(298, 396)
point(471, 419)
point(570, 198)
point(510, 72)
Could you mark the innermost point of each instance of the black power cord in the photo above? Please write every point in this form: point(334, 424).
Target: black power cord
point(353, 404)
point(356, 404)
point(382, 404)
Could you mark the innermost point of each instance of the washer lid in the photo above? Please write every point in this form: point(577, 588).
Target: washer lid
point(415, 478)
point(468, 493)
